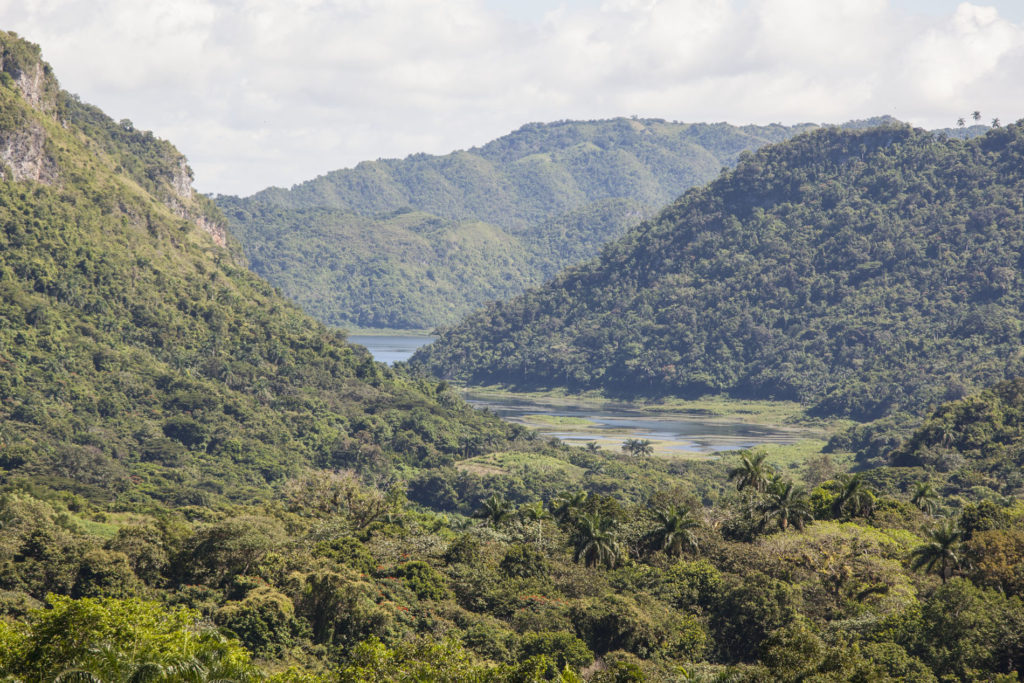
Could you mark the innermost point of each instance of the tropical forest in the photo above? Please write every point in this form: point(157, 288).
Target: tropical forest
point(203, 479)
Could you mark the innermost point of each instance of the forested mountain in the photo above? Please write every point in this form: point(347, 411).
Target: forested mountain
point(860, 271)
point(418, 242)
point(200, 483)
point(139, 361)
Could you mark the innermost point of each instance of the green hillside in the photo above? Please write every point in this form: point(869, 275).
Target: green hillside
point(858, 271)
point(200, 483)
point(139, 361)
point(403, 244)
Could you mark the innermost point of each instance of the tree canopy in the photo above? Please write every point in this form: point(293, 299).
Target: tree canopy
point(859, 271)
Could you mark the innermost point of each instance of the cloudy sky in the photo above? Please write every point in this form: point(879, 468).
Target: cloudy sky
point(273, 92)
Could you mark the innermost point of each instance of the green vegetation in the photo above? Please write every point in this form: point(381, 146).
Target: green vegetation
point(857, 271)
point(420, 242)
point(200, 483)
point(140, 363)
point(979, 439)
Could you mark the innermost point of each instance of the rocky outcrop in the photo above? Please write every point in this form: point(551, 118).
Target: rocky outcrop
point(24, 157)
point(33, 84)
point(23, 148)
point(214, 229)
point(182, 201)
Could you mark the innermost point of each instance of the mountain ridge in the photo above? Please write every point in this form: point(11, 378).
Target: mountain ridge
point(553, 193)
point(731, 289)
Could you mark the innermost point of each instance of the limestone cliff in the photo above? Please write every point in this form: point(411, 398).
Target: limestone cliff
point(31, 100)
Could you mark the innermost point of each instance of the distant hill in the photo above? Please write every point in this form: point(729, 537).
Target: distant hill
point(421, 241)
point(860, 271)
point(138, 360)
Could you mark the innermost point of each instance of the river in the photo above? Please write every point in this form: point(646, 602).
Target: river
point(608, 424)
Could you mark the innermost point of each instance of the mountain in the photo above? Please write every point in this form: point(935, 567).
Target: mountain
point(421, 241)
point(859, 271)
point(140, 360)
point(198, 482)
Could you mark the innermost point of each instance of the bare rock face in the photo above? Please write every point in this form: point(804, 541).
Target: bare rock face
point(182, 202)
point(33, 85)
point(214, 229)
point(181, 182)
point(23, 153)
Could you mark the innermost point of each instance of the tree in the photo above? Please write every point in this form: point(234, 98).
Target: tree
point(564, 649)
point(494, 510)
point(941, 552)
point(748, 609)
point(567, 506)
point(596, 540)
point(109, 639)
point(752, 472)
point(230, 547)
point(421, 660)
point(535, 512)
point(972, 633)
point(996, 559)
point(960, 122)
point(976, 115)
point(995, 122)
point(638, 447)
point(783, 503)
point(339, 494)
point(593, 447)
point(855, 498)
point(925, 497)
point(674, 532)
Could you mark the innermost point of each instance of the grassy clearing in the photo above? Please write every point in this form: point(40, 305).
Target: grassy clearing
point(108, 524)
point(515, 462)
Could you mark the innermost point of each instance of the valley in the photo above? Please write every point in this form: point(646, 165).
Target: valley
point(772, 431)
point(678, 428)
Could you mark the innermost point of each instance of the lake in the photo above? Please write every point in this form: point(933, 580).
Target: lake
point(609, 424)
point(390, 348)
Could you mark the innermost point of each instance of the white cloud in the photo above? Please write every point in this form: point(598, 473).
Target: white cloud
point(261, 92)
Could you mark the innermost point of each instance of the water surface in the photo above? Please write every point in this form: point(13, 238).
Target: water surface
point(608, 424)
point(611, 424)
point(390, 348)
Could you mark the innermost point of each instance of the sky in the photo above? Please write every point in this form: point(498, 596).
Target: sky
point(273, 92)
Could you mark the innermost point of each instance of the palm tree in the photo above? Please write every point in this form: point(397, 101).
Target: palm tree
point(856, 498)
point(925, 497)
point(752, 472)
point(77, 676)
point(995, 122)
point(213, 659)
point(595, 540)
point(535, 512)
point(976, 115)
point(592, 447)
point(637, 447)
point(960, 122)
point(565, 507)
point(784, 503)
point(495, 510)
point(675, 530)
point(941, 551)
